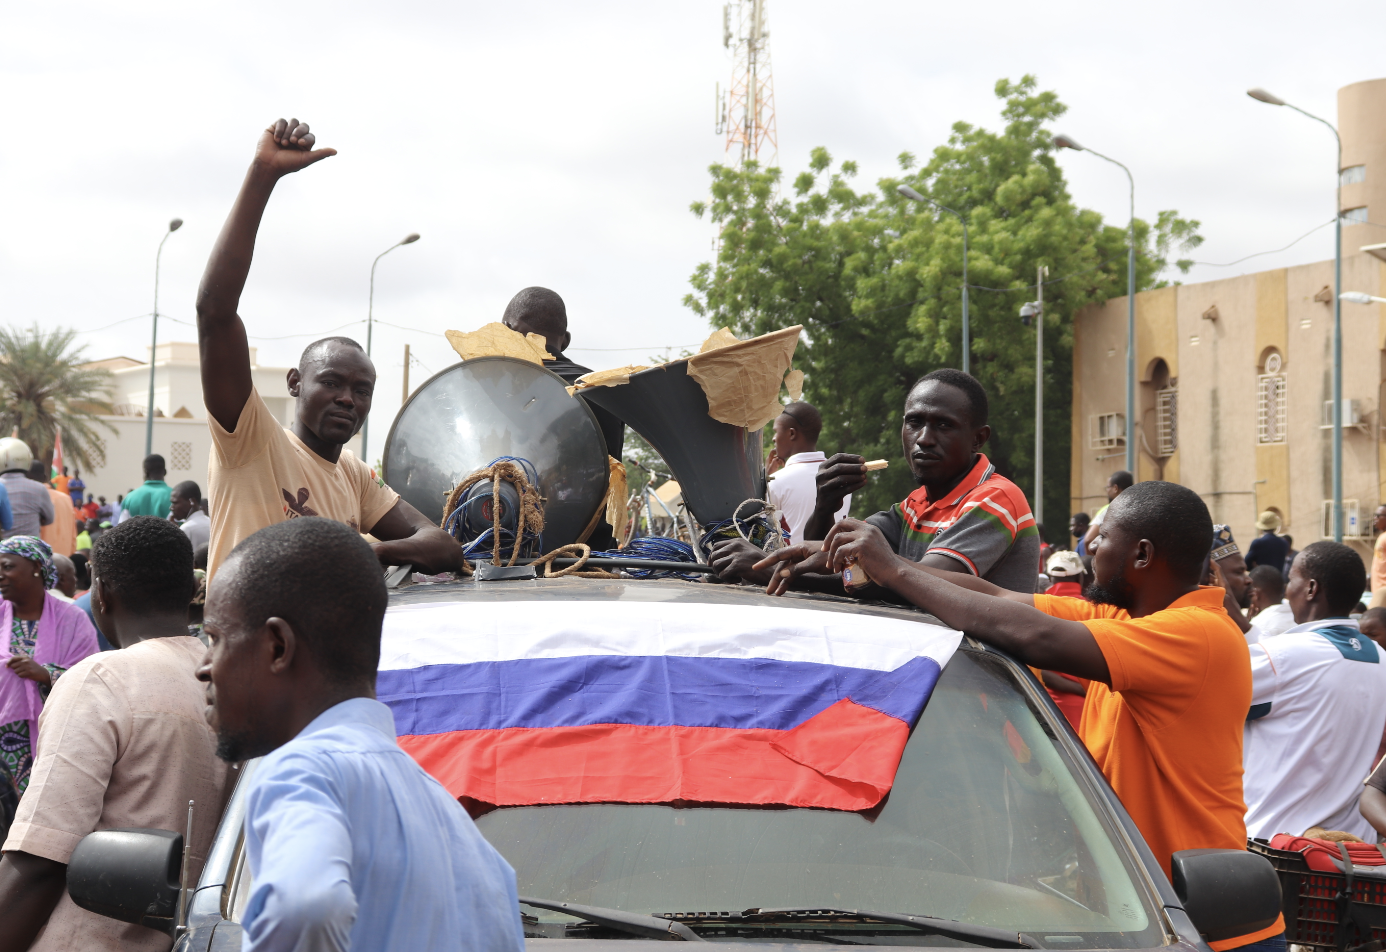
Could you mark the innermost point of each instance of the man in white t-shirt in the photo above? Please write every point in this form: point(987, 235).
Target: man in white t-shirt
point(1318, 704)
point(793, 490)
point(1268, 611)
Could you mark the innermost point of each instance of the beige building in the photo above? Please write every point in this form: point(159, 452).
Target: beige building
point(180, 418)
point(1234, 392)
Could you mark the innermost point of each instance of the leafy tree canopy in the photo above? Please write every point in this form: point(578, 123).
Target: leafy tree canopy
point(876, 280)
point(43, 385)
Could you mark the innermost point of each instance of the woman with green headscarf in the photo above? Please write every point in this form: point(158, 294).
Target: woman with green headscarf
point(40, 638)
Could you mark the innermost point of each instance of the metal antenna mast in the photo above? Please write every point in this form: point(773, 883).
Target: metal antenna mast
point(747, 114)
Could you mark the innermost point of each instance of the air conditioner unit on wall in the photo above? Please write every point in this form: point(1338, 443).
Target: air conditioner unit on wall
point(1352, 415)
point(1352, 522)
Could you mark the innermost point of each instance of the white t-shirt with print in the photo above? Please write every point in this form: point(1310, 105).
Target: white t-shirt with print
point(1318, 706)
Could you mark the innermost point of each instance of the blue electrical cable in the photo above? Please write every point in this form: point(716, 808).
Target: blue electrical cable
point(655, 549)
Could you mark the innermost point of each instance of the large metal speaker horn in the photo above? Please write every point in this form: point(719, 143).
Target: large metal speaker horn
point(473, 412)
point(718, 466)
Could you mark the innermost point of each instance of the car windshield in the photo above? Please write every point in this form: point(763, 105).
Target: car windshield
point(986, 824)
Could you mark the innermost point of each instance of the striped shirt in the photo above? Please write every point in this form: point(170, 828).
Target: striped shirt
point(984, 522)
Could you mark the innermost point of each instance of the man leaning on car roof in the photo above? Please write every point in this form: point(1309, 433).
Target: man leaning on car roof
point(1170, 671)
point(964, 517)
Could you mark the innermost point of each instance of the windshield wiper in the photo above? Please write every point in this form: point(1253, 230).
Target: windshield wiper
point(949, 928)
point(647, 927)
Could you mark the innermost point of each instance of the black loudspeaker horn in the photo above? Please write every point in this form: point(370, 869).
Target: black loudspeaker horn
point(718, 466)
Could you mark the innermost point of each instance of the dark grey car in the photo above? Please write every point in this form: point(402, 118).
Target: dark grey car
point(1000, 831)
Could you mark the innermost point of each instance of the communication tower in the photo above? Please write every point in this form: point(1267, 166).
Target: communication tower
point(746, 113)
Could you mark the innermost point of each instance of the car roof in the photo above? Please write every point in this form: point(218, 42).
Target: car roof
point(571, 589)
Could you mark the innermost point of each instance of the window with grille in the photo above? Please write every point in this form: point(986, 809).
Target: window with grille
point(1353, 174)
point(1272, 408)
point(1355, 216)
point(1108, 430)
point(180, 456)
point(1167, 420)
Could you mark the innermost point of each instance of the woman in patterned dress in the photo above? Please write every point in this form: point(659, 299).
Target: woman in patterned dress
point(46, 636)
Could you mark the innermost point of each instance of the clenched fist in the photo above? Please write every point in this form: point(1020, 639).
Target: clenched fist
point(286, 147)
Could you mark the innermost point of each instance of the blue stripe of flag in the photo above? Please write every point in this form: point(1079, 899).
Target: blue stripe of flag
point(649, 691)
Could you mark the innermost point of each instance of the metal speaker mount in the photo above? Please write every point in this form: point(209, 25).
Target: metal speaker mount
point(473, 412)
point(718, 466)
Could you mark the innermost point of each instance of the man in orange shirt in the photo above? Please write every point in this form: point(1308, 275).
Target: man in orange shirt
point(1170, 671)
point(61, 533)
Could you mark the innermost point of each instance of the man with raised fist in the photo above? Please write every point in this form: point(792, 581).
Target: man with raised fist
point(262, 472)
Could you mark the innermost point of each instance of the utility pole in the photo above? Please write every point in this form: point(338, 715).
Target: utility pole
point(405, 398)
point(748, 112)
point(1041, 273)
point(1035, 310)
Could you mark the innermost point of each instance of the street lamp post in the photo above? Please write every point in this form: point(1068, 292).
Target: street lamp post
point(154, 340)
point(1260, 95)
point(370, 324)
point(1035, 310)
point(1065, 142)
point(914, 196)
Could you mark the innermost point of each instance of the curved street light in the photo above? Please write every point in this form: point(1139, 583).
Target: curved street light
point(173, 226)
point(914, 196)
point(408, 239)
point(1066, 142)
point(1261, 95)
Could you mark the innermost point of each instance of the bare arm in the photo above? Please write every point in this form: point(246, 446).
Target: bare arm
point(408, 537)
point(1007, 620)
point(30, 887)
point(1373, 808)
point(283, 148)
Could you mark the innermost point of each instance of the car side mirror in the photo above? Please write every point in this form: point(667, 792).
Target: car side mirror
point(129, 875)
point(1227, 893)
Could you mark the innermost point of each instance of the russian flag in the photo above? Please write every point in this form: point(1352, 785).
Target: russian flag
point(514, 703)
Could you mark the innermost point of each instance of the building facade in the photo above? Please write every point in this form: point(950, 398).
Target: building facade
point(1234, 391)
point(181, 436)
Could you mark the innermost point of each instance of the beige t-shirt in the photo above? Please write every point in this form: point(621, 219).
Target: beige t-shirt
point(262, 474)
point(122, 743)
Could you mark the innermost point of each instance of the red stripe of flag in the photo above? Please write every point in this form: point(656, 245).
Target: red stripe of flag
point(844, 758)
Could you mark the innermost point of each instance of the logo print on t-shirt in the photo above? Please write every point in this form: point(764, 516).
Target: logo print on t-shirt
point(293, 508)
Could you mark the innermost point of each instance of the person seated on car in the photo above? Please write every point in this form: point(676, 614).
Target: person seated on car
point(964, 517)
point(123, 743)
point(349, 843)
point(1146, 634)
point(541, 311)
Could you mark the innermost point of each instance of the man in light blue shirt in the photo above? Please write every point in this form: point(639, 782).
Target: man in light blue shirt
point(351, 845)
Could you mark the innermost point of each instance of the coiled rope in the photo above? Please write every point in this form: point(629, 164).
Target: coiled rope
point(531, 515)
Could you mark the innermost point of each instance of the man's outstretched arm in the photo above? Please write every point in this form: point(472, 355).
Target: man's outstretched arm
point(408, 537)
point(998, 617)
point(284, 148)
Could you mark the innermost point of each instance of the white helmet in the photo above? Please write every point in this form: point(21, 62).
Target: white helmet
point(14, 454)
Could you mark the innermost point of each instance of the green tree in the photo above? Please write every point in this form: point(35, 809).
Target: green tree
point(876, 281)
point(43, 386)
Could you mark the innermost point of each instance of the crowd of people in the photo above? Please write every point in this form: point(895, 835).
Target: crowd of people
point(158, 642)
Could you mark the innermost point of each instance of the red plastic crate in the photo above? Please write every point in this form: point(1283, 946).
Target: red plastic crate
point(1314, 904)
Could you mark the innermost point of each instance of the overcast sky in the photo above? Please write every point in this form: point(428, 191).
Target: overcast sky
point(560, 144)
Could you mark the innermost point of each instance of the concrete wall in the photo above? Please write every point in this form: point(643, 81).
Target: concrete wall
point(1215, 362)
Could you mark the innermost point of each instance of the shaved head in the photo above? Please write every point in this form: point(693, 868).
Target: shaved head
point(539, 311)
point(321, 348)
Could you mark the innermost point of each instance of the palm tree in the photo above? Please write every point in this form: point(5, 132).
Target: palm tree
point(43, 386)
